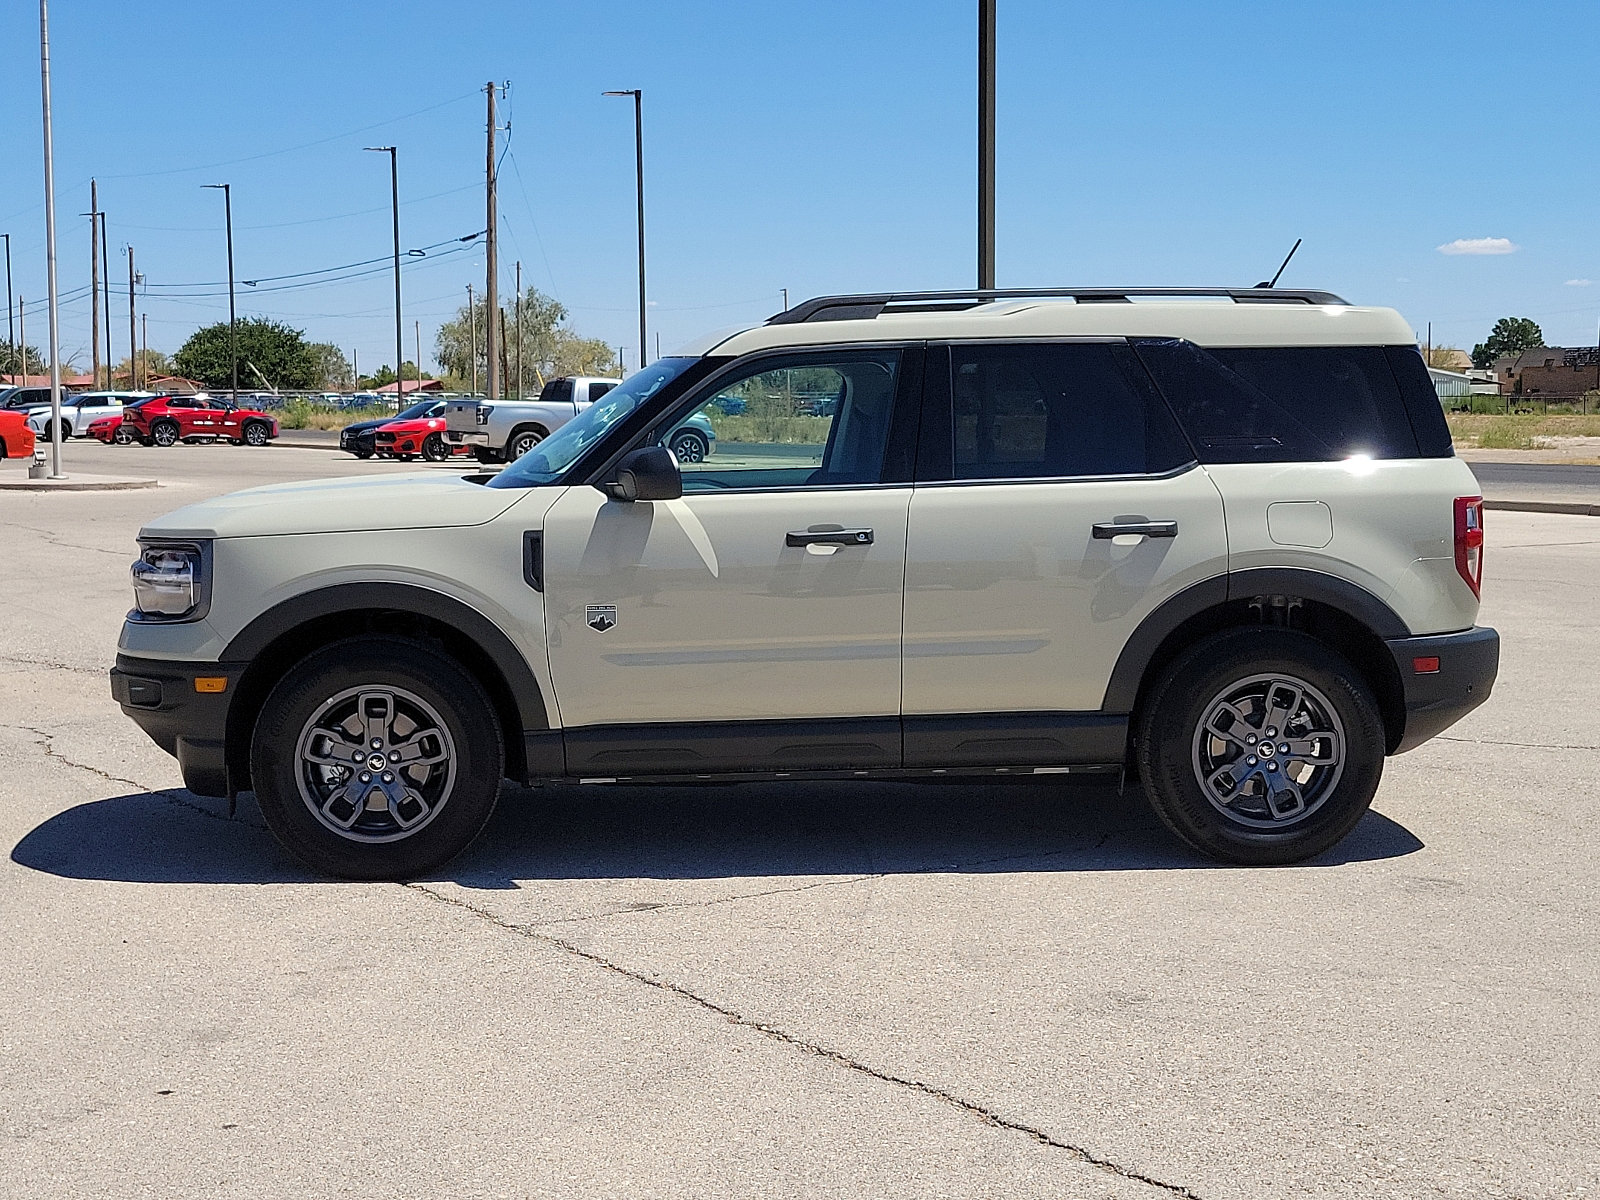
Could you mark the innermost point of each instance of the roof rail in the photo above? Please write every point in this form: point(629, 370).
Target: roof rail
point(867, 305)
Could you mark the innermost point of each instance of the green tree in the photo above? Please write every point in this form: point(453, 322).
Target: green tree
point(1510, 335)
point(269, 351)
point(21, 360)
point(385, 374)
point(548, 347)
point(333, 370)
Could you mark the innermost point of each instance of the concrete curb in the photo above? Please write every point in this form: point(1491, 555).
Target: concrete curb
point(78, 483)
point(1545, 506)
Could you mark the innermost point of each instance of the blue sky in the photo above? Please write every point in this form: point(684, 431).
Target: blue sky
point(817, 147)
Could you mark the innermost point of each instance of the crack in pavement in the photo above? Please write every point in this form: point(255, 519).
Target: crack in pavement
point(49, 665)
point(53, 538)
point(987, 1115)
point(46, 742)
point(1500, 742)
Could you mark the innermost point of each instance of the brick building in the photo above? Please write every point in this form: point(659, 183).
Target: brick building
point(1550, 371)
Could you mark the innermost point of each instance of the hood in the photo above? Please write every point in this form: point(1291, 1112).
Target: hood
point(363, 426)
point(339, 506)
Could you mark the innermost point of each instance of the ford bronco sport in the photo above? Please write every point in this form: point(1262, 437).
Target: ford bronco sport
point(1216, 538)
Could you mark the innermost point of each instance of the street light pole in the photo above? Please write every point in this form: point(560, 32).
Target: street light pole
point(50, 243)
point(105, 275)
point(986, 143)
point(233, 319)
point(638, 166)
point(399, 325)
point(11, 327)
point(472, 337)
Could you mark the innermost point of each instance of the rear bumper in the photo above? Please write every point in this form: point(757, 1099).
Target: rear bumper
point(191, 726)
point(1461, 679)
point(457, 437)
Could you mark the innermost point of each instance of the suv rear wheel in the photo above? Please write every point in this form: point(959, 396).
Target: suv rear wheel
point(256, 433)
point(1261, 746)
point(376, 758)
point(522, 441)
point(164, 433)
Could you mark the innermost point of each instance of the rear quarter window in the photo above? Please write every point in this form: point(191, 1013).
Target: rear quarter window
point(1290, 403)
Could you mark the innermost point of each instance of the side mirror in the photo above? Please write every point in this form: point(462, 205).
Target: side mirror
point(649, 473)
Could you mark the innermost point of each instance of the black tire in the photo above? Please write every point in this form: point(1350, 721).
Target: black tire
point(164, 433)
point(257, 433)
point(689, 446)
point(382, 663)
point(485, 455)
point(434, 448)
point(522, 441)
point(405, 457)
point(123, 436)
point(1172, 756)
point(49, 427)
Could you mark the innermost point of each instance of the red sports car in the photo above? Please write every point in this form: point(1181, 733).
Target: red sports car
point(167, 420)
point(403, 439)
point(16, 439)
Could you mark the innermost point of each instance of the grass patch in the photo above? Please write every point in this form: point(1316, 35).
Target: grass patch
point(302, 414)
point(1506, 434)
point(771, 428)
point(1519, 431)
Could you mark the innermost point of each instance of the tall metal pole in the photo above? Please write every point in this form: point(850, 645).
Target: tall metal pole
point(518, 326)
point(491, 298)
point(11, 328)
point(785, 299)
point(133, 331)
point(472, 337)
point(233, 318)
point(355, 370)
point(399, 325)
point(144, 346)
point(638, 168)
point(22, 332)
point(986, 143)
point(105, 275)
point(50, 243)
point(418, 325)
point(94, 286)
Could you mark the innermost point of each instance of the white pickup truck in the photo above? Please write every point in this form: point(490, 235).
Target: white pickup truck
point(508, 429)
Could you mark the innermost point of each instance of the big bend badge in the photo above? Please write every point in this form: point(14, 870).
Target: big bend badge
point(601, 617)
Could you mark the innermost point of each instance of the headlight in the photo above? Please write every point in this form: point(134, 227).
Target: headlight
point(171, 581)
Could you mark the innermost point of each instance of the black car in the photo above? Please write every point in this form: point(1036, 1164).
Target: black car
point(357, 439)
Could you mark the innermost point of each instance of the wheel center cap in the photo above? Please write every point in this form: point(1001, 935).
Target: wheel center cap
point(1264, 750)
point(376, 762)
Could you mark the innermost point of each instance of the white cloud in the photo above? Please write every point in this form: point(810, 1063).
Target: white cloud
point(1480, 246)
point(1579, 282)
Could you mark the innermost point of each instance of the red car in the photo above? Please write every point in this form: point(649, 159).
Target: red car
point(111, 429)
point(167, 420)
point(16, 439)
point(404, 439)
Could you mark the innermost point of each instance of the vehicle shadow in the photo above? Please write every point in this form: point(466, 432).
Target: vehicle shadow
point(703, 832)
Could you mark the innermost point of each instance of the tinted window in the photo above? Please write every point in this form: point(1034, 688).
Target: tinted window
point(1055, 411)
point(557, 391)
point(1283, 403)
point(596, 390)
point(765, 430)
point(1422, 402)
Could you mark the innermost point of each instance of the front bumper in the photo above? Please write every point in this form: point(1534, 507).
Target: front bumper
point(1443, 678)
point(192, 726)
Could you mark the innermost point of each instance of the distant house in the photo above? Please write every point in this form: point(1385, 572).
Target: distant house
point(1449, 384)
point(1451, 360)
point(1484, 383)
point(1550, 371)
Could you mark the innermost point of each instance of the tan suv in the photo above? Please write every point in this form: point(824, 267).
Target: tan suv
point(1218, 538)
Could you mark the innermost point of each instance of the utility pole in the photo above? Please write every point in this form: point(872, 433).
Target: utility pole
point(986, 143)
point(133, 331)
point(785, 292)
point(418, 325)
point(94, 286)
point(144, 349)
point(52, 301)
point(11, 328)
point(1430, 343)
point(638, 167)
point(355, 370)
point(472, 337)
point(22, 332)
point(105, 275)
point(399, 325)
point(491, 299)
point(518, 325)
point(233, 326)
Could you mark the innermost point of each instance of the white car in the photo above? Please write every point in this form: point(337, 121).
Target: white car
point(81, 410)
point(1214, 540)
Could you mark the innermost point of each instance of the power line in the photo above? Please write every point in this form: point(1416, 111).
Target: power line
point(421, 251)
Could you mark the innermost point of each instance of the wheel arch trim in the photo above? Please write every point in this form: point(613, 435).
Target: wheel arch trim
point(1351, 599)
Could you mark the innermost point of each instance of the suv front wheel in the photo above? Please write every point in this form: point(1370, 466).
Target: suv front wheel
point(376, 758)
point(1261, 746)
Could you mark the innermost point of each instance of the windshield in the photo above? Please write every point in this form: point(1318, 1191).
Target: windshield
point(550, 459)
point(421, 408)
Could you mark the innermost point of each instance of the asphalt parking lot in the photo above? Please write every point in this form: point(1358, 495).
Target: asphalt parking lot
point(834, 990)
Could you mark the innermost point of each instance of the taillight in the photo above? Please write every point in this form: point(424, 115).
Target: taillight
point(1469, 541)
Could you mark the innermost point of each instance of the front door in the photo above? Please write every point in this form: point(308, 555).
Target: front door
point(1020, 591)
point(753, 624)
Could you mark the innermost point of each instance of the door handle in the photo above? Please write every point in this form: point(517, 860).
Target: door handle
point(819, 537)
point(1105, 531)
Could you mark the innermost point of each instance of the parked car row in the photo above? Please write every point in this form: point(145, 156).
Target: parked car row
point(129, 417)
point(416, 430)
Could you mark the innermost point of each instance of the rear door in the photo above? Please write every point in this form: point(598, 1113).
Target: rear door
point(753, 624)
point(1020, 590)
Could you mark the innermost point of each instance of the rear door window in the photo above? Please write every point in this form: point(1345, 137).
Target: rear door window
point(1283, 403)
point(1051, 410)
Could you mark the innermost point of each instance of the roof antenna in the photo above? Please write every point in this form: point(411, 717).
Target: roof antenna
point(1273, 282)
